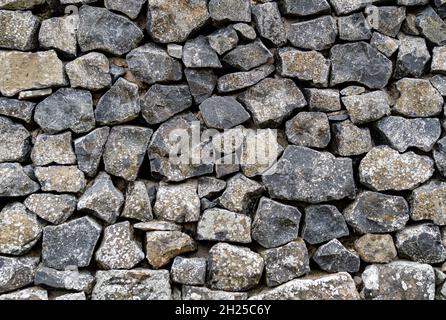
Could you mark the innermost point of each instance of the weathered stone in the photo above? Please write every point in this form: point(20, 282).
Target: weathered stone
point(272, 100)
point(317, 34)
point(210, 186)
point(66, 109)
point(334, 257)
point(350, 140)
point(89, 150)
point(162, 246)
point(223, 225)
point(421, 243)
point(386, 169)
point(223, 112)
point(413, 56)
point(374, 212)
point(223, 40)
point(431, 26)
point(240, 80)
point(137, 202)
point(178, 202)
point(198, 53)
point(60, 179)
point(201, 83)
point(70, 244)
point(119, 249)
point(354, 27)
point(17, 109)
point(50, 149)
point(14, 182)
point(203, 293)
point(90, 72)
point(399, 280)
point(324, 100)
point(304, 7)
point(233, 268)
point(440, 156)
point(307, 175)
point(386, 45)
point(174, 20)
point(189, 271)
point(245, 31)
point(138, 284)
point(102, 199)
point(286, 263)
point(17, 272)
point(18, 30)
point(125, 149)
point(439, 60)
point(249, 56)
point(387, 19)
point(30, 70)
point(374, 248)
point(72, 297)
point(20, 4)
point(269, 23)
point(230, 10)
point(347, 6)
point(35, 94)
point(51, 207)
point(323, 223)
point(359, 62)
point(304, 65)
point(130, 8)
point(33, 293)
point(162, 102)
point(367, 107)
point(102, 30)
point(309, 129)
point(157, 225)
point(59, 33)
point(68, 279)
point(14, 141)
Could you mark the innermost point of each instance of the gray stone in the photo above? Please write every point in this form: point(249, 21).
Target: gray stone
point(387, 19)
point(309, 129)
point(138, 284)
point(241, 80)
point(375, 248)
point(33, 293)
point(440, 156)
point(317, 34)
point(367, 107)
point(249, 56)
point(334, 257)
point(222, 225)
point(102, 30)
point(59, 33)
point(350, 140)
point(102, 199)
point(49, 149)
point(352, 91)
point(18, 30)
point(91, 72)
point(125, 149)
point(137, 202)
point(35, 94)
point(20, 4)
point(324, 100)
point(385, 44)
point(89, 150)
point(359, 62)
point(203, 293)
point(323, 223)
point(347, 6)
point(66, 109)
point(201, 83)
point(432, 26)
point(223, 112)
point(60, 179)
point(413, 56)
point(119, 249)
point(189, 271)
point(70, 244)
point(162, 246)
point(354, 27)
point(374, 212)
point(303, 65)
point(230, 10)
point(157, 225)
point(72, 297)
point(14, 182)
point(245, 31)
point(269, 23)
point(174, 20)
point(439, 60)
point(198, 53)
point(286, 263)
point(22, 110)
point(386, 169)
point(233, 268)
point(399, 280)
point(150, 63)
point(52, 207)
point(68, 279)
point(14, 141)
point(19, 229)
point(421, 243)
point(272, 100)
point(223, 40)
point(210, 186)
point(302, 175)
point(304, 7)
point(130, 8)
point(17, 272)
point(161, 102)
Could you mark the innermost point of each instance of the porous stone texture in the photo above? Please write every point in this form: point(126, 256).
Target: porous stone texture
point(222, 149)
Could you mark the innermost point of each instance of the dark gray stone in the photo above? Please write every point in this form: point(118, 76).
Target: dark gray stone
point(350, 140)
point(241, 80)
point(66, 280)
point(223, 112)
point(440, 156)
point(304, 7)
point(17, 272)
point(334, 257)
point(89, 149)
point(230, 10)
point(130, 8)
point(14, 182)
point(223, 40)
point(14, 141)
point(202, 83)
point(22, 110)
point(309, 129)
point(269, 23)
point(198, 53)
point(413, 56)
point(249, 56)
point(189, 271)
point(354, 27)
point(387, 19)
point(432, 26)
point(317, 34)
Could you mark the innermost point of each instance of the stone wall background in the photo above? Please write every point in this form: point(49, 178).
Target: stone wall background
point(92, 208)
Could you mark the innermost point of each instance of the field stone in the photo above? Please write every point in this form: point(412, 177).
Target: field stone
point(421, 243)
point(125, 149)
point(286, 263)
point(350, 140)
point(18, 30)
point(302, 173)
point(399, 280)
point(89, 149)
point(14, 182)
point(203, 293)
point(162, 102)
point(272, 100)
point(210, 186)
point(137, 202)
point(162, 246)
point(189, 271)
point(67, 279)
point(151, 63)
point(59, 33)
point(233, 268)
point(19, 229)
point(202, 83)
point(35, 94)
point(72, 297)
point(334, 257)
point(386, 169)
point(222, 11)
point(157, 225)
point(440, 156)
point(305, 7)
point(413, 56)
point(431, 26)
point(102, 199)
point(375, 248)
point(385, 44)
point(90, 72)
point(50, 149)
point(343, 7)
point(223, 112)
point(175, 50)
point(119, 249)
point(224, 226)
point(19, 4)
point(198, 53)
point(62, 179)
point(354, 27)
point(102, 30)
point(17, 272)
point(249, 56)
point(324, 100)
point(130, 8)
point(323, 223)
point(174, 20)
point(309, 129)
point(374, 212)
point(32, 294)
point(367, 107)
point(66, 109)
point(439, 60)
point(317, 34)
point(269, 23)
point(16, 109)
point(53, 208)
point(136, 284)
point(70, 244)
point(240, 80)
point(245, 31)
point(14, 141)
point(223, 40)
point(389, 19)
point(352, 91)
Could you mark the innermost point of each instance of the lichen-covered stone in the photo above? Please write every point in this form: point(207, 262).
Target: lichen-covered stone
point(224, 40)
point(269, 23)
point(413, 56)
point(388, 19)
point(439, 60)
point(91, 72)
point(59, 33)
point(350, 140)
point(304, 7)
point(309, 129)
point(49, 149)
point(14, 182)
point(203, 293)
point(22, 110)
point(240, 80)
point(317, 34)
point(324, 100)
point(32, 294)
point(209, 186)
point(367, 107)
point(53, 208)
point(354, 27)
point(137, 202)
point(230, 10)
point(67, 279)
point(61, 179)
point(198, 53)
point(14, 141)
point(431, 26)
point(376, 248)
point(18, 30)
point(385, 44)
point(17, 272)
point(189, 271)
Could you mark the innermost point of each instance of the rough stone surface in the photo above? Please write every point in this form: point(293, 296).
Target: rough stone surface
point(316, 34)
point(90, 72)
point(68, 280)
point(18, 30)
point(367, 107)
point(49, 149)
point(376, 248)
point(61, 179)
point(350, 140)
point(17, 272)
point(334, 257)
point(89, 150)
point(14, 182)
point(59, 33)
point(14, 141)
point(223, 112)
point(413, 56)
point(189, 271)
point(54, 208)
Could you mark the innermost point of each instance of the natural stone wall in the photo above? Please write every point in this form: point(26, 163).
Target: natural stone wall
point(222, 149)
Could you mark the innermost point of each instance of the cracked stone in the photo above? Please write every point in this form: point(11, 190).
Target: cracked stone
point(269, 23)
